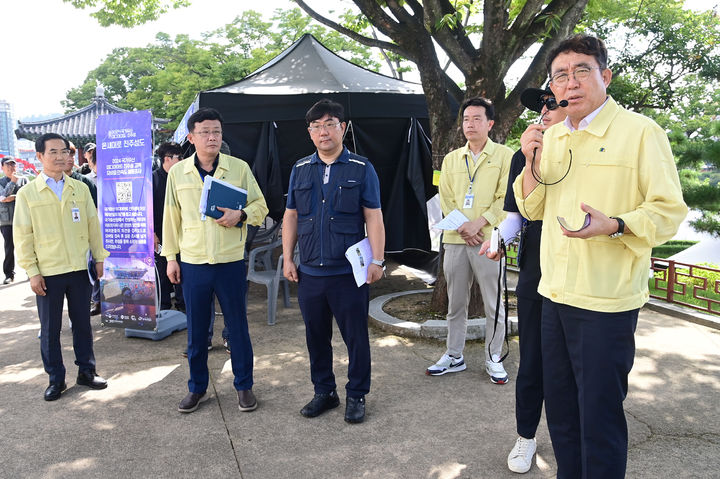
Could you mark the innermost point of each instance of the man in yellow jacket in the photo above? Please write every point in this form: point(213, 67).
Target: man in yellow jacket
point(607, 190)
point(473, 180)
point(54, 226)
point(211, 254)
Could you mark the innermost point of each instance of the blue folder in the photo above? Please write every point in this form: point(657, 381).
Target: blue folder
point(221, 193)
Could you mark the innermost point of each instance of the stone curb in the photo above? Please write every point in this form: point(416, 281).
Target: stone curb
point(432, 328)
point(681, 312)
point(437, 328)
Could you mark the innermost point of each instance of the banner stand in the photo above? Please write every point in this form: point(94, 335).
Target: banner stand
point(167, 322)
point(128, 287)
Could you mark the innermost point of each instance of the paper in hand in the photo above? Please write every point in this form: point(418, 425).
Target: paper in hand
point(360, 256)
point(452, 221)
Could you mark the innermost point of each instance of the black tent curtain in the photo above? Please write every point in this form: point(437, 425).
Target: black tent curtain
point(269, 132)
point(398, 149)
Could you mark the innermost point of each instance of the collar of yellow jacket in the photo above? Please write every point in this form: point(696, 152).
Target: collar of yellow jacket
point(600, 124)
point(487, 152)
point(223, 164)
point(43, 182)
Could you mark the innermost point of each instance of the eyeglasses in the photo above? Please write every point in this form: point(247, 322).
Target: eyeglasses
point(174, 157)
point(58, 153)
point(208, 133)
point(581, 74)
point(323, 126)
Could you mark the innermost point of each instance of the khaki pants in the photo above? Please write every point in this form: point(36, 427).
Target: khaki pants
point(461, 262)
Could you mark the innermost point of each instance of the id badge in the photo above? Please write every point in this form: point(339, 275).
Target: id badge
point(76, 215)
point(469, 198)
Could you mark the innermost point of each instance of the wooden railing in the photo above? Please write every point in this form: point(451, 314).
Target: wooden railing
point(690, 285)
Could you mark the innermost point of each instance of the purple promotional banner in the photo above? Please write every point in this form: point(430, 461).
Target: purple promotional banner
point(124, 168)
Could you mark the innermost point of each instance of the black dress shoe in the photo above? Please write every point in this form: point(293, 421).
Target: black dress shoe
point(320, 403)
point(246, 400)
point(54, 390)
point(91, 380)
point(355, 410)
point(191, 401)
point(94, 309)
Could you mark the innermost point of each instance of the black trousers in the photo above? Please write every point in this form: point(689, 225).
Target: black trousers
point(587, 356)
point(321, 298)
point(529, 384)
point(9, 261)
point(75, 287)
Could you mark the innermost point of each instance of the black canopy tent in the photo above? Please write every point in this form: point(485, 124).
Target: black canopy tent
point(387, 120)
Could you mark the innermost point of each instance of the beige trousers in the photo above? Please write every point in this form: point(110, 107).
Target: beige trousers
point(461, 262)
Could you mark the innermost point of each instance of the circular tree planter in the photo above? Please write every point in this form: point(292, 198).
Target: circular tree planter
point(432, 328)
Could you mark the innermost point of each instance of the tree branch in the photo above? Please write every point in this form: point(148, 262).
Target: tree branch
point(371, 42)
point(455, 42)
point(385, 56)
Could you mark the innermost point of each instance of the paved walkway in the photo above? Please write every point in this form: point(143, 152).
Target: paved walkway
point(453, 426)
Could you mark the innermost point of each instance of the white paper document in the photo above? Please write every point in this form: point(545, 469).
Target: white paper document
point(360, 256)
point(452, 221)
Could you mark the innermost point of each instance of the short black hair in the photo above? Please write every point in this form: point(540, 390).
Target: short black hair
point(40, 142)
point(479, 101)
point(201, 115)
point(585, 44)
point(169, 148)
point(325, 107)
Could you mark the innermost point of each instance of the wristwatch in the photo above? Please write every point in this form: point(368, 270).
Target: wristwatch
point(379, 262)
point(621, 227)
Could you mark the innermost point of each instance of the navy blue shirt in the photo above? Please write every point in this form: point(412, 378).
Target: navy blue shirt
point(369, 198)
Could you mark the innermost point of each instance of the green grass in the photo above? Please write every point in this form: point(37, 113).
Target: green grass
point(670, 248)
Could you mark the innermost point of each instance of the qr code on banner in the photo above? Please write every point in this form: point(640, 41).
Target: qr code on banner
point(123, 192)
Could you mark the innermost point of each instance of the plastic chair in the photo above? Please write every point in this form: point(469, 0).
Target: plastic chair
point(268, 277)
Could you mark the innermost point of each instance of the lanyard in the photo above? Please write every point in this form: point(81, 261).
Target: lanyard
point(471, 178)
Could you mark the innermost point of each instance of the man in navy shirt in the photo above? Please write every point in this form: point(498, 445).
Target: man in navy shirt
point(333, 196)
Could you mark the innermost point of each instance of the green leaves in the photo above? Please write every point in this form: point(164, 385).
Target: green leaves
point(165, 75)
point(127, 13)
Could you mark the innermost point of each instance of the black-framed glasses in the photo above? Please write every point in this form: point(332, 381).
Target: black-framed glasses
point(323, 126)
point(580, 74)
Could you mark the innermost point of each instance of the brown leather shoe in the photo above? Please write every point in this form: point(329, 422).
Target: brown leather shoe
point(246, 400)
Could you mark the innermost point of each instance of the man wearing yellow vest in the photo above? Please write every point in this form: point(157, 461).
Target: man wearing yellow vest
point(607, 190)
point(55, 224)
point(473, 180)
point(211, 255)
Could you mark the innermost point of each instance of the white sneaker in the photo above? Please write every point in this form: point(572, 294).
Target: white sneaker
point(520, 458)
point(496, 371)
point(447, 364)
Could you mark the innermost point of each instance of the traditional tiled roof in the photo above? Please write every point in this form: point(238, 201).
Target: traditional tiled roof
point(79, 126)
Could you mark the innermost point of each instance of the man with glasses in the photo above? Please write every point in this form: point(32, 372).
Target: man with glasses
point(212, 252)
point(473, 180)
point(333, 196)
point(623, 186)
point(55, 224)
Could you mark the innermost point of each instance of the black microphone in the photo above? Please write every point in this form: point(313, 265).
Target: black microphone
point(553, 104)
